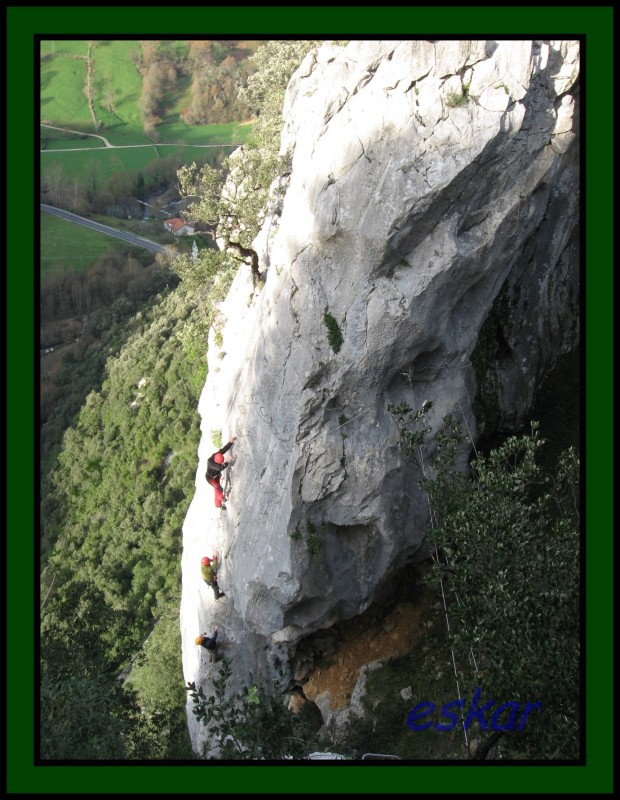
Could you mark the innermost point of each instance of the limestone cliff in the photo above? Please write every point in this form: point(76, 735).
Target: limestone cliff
point(426, 177)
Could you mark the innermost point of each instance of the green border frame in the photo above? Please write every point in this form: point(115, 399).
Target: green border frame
point(21, 25)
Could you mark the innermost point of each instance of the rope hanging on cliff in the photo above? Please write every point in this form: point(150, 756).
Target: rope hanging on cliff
point(443, 594)
point(227, 482)
point(267, 419)
point(445, 607)
point(471, 656)
point(435, 556)
point(471, 439)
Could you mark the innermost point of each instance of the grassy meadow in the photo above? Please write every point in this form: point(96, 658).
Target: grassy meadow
point(115, 73)
point(66, 246)
point(117, 89)
point(116, 80)
point(55, 140)
point(63, 82)
point(101, 163)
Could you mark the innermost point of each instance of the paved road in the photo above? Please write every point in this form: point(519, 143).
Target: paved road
point(131, 238)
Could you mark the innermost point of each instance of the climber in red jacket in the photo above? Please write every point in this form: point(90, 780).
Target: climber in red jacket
point(215, 466)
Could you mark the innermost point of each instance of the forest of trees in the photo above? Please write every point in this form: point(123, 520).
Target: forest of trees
point(216, 75)
point(88, 194)
point(215, 69)
point(113, 506)
point(157, 64)
point(113, 275)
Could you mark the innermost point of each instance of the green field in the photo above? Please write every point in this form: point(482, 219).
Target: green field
point(114, 72)
point(57, 140)
point(102, 162)
point(117, 90)
point(62, 93)
point(229, 133)
point(63, 80)
point(66, 246)
point(115, 76)
point(77, 48)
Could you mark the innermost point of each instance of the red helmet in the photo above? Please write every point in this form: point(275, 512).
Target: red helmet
point(206, 560)
point(218, 458)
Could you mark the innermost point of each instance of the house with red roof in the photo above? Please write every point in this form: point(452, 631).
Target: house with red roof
point(178, 226)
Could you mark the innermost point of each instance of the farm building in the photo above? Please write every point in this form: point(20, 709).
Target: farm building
point(178, 226)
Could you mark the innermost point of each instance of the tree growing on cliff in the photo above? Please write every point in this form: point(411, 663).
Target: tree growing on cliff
point(506, 544)
point(235, 198)
point(233, 209)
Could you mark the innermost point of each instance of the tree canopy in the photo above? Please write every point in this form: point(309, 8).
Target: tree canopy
point(117, 498)
point(506, 542)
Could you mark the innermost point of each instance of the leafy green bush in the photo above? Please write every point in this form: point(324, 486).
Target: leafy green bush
point(312, 536)
point(253, 723)
point(455, 99)
point(508, 539)
point(334, 333)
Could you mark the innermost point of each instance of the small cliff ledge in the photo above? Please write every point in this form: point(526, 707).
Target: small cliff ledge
point(426, 178)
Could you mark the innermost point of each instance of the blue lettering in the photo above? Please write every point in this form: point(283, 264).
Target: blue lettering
point(510, 726)
point(450, 715)
point(419, 711)
point(529, 707)
point(476, 713)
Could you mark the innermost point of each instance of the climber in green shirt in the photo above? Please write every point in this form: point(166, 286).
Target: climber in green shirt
point(209, 575)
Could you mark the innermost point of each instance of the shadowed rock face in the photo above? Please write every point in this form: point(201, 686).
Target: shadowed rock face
point(425, 178)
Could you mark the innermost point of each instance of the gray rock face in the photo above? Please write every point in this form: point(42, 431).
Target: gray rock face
point(425, 177)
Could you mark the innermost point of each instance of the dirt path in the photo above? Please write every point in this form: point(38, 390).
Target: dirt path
point(119, 146)
point(82, 133)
